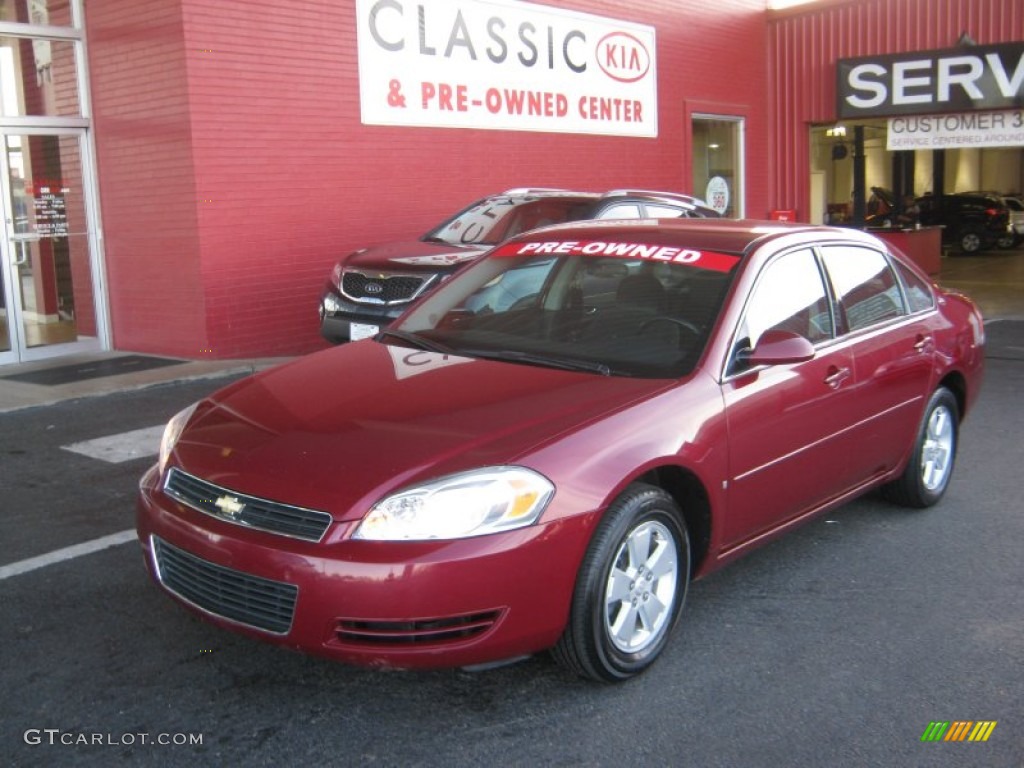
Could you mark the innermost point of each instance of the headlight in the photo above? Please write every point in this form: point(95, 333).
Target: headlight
point(458, 506)
point(172, 432)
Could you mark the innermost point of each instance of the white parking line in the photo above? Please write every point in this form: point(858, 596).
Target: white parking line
point(137, 444)
point(68, 553)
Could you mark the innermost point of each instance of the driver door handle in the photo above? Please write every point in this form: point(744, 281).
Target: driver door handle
point(836, 376)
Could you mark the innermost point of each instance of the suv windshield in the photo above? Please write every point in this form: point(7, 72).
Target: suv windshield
point(495, 219)
point(610, 315)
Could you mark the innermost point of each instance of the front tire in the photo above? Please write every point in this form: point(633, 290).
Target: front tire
point(630, 588)
point(926, 477)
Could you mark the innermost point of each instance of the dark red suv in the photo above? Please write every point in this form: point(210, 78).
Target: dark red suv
point(372, 286)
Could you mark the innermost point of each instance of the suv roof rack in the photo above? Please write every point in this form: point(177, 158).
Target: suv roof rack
point(678, 196)
point(539, 190)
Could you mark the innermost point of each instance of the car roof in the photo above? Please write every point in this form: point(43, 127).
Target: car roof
point(733, 236)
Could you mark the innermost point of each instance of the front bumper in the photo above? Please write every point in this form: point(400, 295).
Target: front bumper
point(383, 604)
point(338, 314)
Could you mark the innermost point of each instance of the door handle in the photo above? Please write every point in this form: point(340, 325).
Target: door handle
point(836, 376)
point(923, 343)
point(20, 254)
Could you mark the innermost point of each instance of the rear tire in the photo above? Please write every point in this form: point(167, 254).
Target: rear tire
point(928, 472)
point(971, 241)
point(630, 588)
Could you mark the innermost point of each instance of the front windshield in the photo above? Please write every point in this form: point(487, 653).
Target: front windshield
point(496, 219)
point(613, 315)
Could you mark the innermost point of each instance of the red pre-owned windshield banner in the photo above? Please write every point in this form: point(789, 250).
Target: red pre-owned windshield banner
point(670, 254)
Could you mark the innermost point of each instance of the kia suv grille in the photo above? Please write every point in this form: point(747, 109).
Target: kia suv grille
point(385, 289)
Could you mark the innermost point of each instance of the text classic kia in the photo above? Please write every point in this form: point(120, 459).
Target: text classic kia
point(489, 478)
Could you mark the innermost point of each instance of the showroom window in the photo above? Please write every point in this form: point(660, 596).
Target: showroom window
point(718, 163)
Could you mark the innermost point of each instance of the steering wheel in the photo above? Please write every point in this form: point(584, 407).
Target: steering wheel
point(685, 324)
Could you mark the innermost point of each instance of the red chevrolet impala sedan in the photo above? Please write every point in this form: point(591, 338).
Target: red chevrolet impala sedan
point(545, 451)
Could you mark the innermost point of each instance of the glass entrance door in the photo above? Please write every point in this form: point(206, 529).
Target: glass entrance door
point(48, 305)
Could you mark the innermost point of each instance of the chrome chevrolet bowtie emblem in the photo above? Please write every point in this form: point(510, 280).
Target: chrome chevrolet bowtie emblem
point(230, 506)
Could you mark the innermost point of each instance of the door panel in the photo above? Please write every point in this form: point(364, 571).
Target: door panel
point(893, 355)
point(788, 429)
point(787, 423)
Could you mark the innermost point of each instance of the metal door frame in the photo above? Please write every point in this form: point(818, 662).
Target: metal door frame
point(19, 352)
point(59, 126)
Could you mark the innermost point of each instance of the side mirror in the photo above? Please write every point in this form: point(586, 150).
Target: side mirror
point(779, 348)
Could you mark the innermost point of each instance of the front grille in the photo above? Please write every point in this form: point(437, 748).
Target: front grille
point(238, 508)
point(383, 289)
point(250, 600)
point(418, 632)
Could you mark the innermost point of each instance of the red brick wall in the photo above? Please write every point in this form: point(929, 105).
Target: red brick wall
point(148, 195)
point(234, 168)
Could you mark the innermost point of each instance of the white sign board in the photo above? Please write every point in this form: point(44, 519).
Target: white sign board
point(717, 194)
point(969, 129)
point(505, 65)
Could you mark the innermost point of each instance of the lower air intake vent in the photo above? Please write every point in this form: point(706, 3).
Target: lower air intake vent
point(419, 632)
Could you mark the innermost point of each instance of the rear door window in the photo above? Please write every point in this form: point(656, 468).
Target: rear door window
point(864, 284)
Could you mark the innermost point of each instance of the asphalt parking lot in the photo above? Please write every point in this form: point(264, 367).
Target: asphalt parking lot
point(836, 646)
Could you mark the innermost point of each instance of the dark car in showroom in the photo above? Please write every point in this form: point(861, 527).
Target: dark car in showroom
point(478, 483)
point(1014, 234)
point(971, 222)
point(371, 287)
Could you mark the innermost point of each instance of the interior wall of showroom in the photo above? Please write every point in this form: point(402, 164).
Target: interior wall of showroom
point(998, 169)
point(234, 168)
point(804, 44)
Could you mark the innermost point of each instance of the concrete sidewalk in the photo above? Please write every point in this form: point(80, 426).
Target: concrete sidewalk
point(15, 395)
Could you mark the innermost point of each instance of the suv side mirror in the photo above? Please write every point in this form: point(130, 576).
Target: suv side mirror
point(776, 347)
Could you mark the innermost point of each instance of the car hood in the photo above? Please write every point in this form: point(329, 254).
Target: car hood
point(414, 255)
point(339, 429)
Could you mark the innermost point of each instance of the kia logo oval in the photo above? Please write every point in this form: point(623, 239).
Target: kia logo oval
point(623, 57)
point(374, 288)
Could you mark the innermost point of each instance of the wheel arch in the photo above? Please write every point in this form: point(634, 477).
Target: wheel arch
point(689, 493)
point(955, 382)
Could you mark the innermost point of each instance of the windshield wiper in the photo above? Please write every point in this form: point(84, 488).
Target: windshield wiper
point(529, 358)
point(415, 340)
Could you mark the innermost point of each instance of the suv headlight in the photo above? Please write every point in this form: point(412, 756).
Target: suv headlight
point(172, 432)
point(459, 506)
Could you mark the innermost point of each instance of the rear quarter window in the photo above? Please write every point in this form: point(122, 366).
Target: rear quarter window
point(919, 293)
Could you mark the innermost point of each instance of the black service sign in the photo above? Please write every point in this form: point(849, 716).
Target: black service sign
point(964, 79)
